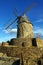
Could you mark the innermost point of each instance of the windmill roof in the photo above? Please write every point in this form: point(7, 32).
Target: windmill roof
point(24, 18)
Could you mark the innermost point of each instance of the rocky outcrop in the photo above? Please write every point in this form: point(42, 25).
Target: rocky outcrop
point(29, 55)
point(29, 51)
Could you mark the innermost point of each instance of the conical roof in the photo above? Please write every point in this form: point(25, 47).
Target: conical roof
point(24, 19)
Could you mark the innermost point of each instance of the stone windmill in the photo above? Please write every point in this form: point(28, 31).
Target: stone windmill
point(24, 26)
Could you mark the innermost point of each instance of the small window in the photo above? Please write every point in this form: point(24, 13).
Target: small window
point(23, 44)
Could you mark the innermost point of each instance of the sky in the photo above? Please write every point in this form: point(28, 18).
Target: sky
point(7, 8)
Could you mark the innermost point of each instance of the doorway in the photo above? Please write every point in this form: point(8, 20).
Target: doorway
point(34, 42)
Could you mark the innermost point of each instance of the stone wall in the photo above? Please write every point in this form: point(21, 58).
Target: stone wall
point(10, 50)
point(39, 42)
point(26, 42)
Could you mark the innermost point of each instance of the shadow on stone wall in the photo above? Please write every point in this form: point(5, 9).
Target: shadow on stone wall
point(39, 62)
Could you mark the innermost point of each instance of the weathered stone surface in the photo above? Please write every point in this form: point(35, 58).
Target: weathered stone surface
point(30, 55)
point(8, 60)
point(39, 42)
point(5, 44)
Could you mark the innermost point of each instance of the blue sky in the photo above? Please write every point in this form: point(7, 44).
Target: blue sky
point(35, 15)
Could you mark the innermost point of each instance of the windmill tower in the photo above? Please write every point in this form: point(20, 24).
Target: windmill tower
point(24, 26)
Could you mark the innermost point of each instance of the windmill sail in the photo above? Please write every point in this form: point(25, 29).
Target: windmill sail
point(24, 27)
